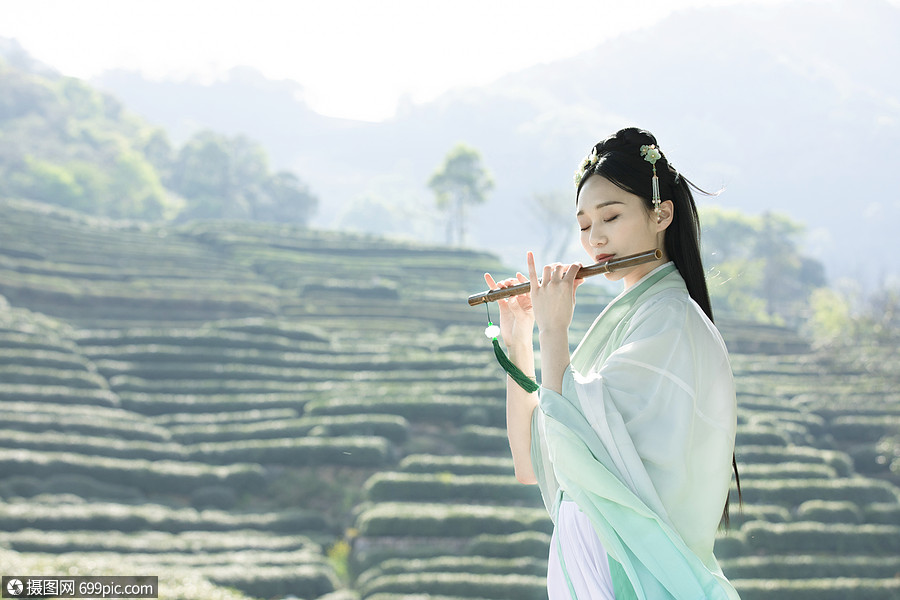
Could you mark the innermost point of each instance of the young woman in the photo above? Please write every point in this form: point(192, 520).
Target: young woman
point(631, 438)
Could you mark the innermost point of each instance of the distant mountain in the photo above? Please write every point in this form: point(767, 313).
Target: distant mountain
point(791, 107)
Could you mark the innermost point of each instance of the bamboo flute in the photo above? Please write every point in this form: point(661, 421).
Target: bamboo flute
point(609, 266)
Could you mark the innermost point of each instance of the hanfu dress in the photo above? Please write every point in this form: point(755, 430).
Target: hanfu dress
point(634, 457)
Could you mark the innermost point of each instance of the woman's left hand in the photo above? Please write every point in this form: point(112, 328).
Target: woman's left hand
point(553, 296)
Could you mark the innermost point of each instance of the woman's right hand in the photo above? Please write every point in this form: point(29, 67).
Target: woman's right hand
point(516, 312)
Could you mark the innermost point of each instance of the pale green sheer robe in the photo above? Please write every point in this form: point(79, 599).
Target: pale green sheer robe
point(641, 438)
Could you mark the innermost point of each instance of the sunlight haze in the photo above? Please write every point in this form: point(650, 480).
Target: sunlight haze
point(355, 59)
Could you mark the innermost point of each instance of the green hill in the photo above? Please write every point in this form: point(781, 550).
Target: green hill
point(68, 144)
point(258, 411)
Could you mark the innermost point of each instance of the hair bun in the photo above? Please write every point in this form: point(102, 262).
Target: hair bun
point(626, 140)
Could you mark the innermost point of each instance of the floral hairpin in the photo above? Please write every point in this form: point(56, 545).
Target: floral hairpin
point(588, 162)
point(652, 154)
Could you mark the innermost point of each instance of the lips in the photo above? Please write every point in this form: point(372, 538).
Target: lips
point(601, 258)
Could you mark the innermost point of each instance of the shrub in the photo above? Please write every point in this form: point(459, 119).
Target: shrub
point(809, 537)
point(476, 439)
point(818, 589)
point(787, 470)
point(208, 401)
point(478, 565)
point(811, 567)
point(154, 542)
point(181, 337)
point(797, 426)
point(799, 423)
point(54, 441)
point(176, 584)
point(391, 427)
point(829, 512)
point(368, 553)
point(56, 394)
point(49, 376)
point(272, 327)
point(311, 581)
point(788, 492)
point(213, 496)
point(758, 512)
point(458, 465)
point(20, 485)
point(885, 513)
point(148, 476)
point(64, 361)
point(448, 520)
point(750, 435)
point(236, 417)
point(446, 487)
point(498, 587)
point(89, 488)
point(842, 463)
point(424, 408)
point(858, 428)
point(354, 451)
point(730, 544)
point(524, 544)
point(121, 426)
point(340, 595)
point(414, 596)
point(223, 386)
point(132, 518)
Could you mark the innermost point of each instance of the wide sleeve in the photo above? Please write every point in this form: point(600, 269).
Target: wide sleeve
point(542, 465)
point(663, 405)
point(643, 444)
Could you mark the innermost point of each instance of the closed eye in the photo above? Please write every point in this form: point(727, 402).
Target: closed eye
point(611, 219)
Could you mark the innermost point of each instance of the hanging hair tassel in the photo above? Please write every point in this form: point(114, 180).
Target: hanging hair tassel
point(656, 199)
point(652, 154)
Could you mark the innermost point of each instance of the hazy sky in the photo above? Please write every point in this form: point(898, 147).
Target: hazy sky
point(355, 58)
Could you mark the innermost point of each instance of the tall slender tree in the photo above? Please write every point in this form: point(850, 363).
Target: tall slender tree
point(555, 215)
point(462, 180)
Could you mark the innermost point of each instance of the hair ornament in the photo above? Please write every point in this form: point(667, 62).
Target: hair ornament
point(652, 154)
point(588, 162)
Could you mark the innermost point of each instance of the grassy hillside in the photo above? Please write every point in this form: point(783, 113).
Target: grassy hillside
point(255, 411)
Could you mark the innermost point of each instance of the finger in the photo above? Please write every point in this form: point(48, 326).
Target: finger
point(490, 281)
point(521, 278)
point(572, 271)
point(532, 273)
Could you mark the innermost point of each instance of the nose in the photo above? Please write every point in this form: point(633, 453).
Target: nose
point(597, 238)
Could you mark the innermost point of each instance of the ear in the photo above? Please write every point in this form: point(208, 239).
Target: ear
point(666, 214)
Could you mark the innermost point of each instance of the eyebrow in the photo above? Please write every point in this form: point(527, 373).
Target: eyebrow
point(601, 205)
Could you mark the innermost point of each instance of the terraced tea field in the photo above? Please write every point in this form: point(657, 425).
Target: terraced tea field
point(254, 411)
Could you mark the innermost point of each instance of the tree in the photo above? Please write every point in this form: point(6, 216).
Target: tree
point(394, 205)
point(224, 177)
point(461, 181)
point(555, 214)
point(755, 267)
point(286, 199)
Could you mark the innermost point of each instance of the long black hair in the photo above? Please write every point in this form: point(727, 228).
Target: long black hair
point(620, 161)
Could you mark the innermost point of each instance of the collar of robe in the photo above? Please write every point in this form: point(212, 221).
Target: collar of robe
point(612, 320)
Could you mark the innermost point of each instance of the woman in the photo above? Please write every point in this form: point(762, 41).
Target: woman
point(632, 437)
